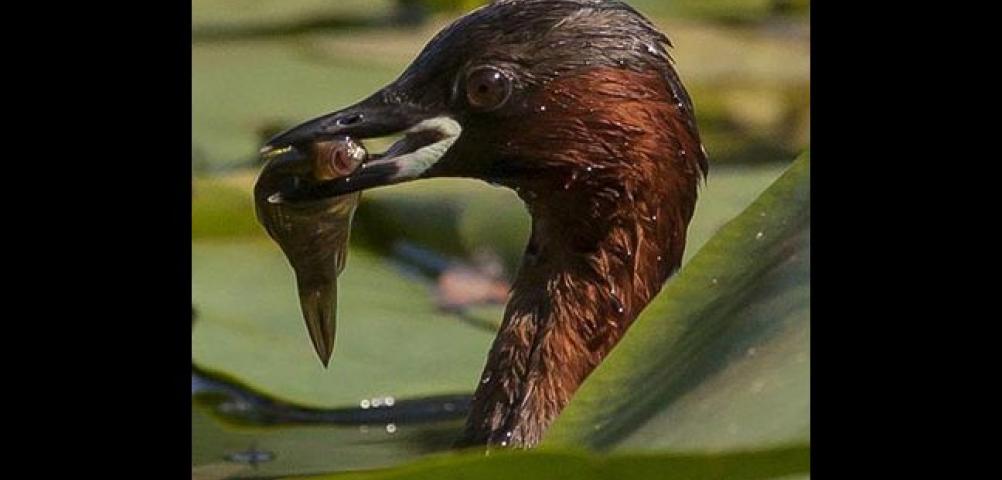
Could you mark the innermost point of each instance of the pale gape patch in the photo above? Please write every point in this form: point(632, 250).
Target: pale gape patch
point(413, 164)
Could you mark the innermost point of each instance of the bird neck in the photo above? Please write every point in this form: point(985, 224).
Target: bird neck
point(592, 264)
point(611, 179)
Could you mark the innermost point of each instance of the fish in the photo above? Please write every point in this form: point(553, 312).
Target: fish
point(314, 234)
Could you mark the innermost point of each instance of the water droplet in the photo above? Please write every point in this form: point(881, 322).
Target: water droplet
point(715, 281)
point(377, 402)
point(617, 306)
point(682, 152)
point(759, 235)
point(391, 428)
point(542, 108)
point(654, 218)
point(486, 379)
point(365, 404)
point(504, 443)
point(589, 169)
point(389, 401)
point(659, 258)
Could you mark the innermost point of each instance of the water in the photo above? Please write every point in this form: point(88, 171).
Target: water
point(269, 438)
point(252, 457)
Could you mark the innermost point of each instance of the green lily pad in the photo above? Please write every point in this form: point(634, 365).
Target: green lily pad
point(391, 339)
point(721, 359)
point(222, 209)
point(782, 462)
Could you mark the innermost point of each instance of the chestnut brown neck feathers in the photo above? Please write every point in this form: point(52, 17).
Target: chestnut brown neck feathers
point(606, 235)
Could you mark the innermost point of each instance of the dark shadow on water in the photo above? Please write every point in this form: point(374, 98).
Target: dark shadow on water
point(257, 436)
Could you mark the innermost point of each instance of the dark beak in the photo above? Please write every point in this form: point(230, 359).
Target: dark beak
point(372, 118)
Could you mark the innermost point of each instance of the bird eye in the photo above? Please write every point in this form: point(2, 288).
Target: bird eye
point(487, 88)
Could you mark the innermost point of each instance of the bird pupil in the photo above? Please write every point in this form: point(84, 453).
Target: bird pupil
point(487, 88)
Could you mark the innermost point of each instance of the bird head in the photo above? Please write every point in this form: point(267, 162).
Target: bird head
point(538, 95)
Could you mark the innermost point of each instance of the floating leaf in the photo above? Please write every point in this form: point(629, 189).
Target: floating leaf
point(222, 208)
point(781, 462)
point(720, 360)
point(392, 341)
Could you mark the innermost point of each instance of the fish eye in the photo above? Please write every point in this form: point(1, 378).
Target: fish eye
point(487, 88)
